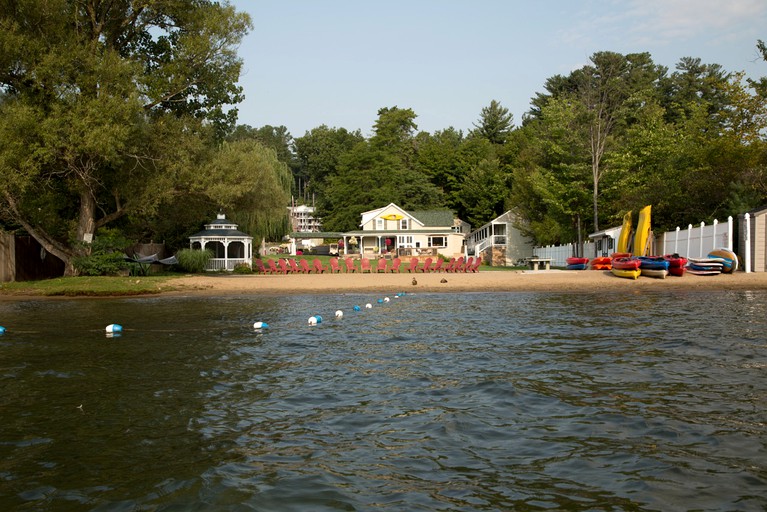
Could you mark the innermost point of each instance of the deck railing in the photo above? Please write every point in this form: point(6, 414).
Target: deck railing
point(217, 264)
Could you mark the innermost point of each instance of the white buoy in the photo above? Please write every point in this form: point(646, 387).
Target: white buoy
point(114, 328)
point(386, 299)
point(312, 320)
point(339, 314)
point(368, 305)
point(260, 325)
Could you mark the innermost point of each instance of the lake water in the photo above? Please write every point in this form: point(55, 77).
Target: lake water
point(459, 402)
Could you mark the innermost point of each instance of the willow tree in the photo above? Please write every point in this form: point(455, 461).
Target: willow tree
point(108, 108)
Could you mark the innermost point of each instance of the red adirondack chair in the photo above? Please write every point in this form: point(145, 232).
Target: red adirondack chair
point(451, 265)
point(395, 265)
point(426, 266)
point(318, 268)
point(413, 265)
point(365, 266)
point(294, 266)
point(284, 266)
point(272, 266)
point(438, 265)
point(383, 265)
point(259, 266)
point(305, 268)
point(350, 268)
point(469, 263)
point(334, 267)
point(459, 265)
point(477, 263)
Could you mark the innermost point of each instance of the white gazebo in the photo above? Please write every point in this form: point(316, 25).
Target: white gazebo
point(229, 246)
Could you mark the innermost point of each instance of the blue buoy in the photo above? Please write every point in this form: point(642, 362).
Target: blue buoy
point(319, 318)
point(260, 325)
point(2, 329)
point(380, 301)
point(114, 328)
point(356, 308)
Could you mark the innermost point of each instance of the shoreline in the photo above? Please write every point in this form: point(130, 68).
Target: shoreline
point(546, 281)
point(492, 281)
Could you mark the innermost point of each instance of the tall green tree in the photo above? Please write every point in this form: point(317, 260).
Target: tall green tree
point(318, 154)
point(378, 172)
point(108, 108)
point(495, 123)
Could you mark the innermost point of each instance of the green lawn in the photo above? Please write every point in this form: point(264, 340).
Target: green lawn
point(91, 286)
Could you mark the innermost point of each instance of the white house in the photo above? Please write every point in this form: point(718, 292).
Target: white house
point(500, 242)
point(393, 231)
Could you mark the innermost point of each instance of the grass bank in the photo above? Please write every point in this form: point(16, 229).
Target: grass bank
point(91, 286)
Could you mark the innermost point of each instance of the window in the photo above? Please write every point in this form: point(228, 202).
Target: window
point(437, 241)
point(404, 241)
point(379, 224)
point(404, 224)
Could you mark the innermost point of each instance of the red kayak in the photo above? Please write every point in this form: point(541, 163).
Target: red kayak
point(624, 263)
point(576, 261)
point(677, 265)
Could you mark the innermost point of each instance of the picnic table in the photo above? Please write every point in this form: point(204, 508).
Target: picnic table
point(534, 262)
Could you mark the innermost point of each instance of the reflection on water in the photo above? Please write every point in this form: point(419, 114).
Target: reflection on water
point(502, 401)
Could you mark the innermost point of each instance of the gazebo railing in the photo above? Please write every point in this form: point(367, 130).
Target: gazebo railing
point(215, 264)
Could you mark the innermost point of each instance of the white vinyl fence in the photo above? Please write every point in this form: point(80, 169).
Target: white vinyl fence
point(697, 241)
point(558, 253)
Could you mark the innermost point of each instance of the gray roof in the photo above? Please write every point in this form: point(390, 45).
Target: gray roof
point(434, 218)
point(230, 233)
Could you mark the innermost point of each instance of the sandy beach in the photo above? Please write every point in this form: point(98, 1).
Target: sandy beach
point(542, 280)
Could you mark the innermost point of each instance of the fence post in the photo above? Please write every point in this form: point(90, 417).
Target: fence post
point(689, 236)
point(713, 235)
point(729, 232)
point(676, 241)
point(747, 244)
point(702, 224)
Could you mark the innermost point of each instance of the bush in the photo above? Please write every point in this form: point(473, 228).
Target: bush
point(242, 268)
point(106, 255)
point(193, 261)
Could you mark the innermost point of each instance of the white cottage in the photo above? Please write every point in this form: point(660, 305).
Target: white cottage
point(500, 242)
point(229, 246)
point(392, 231)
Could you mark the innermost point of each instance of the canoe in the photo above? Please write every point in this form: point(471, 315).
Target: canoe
point(653, 263)
point(625, 236)
point(616, 255)
point(729, 259)
point(576, 261)
point(654, 272)
point(578, 266)
point(626, 264)
point(629, 274)
point(642, 232)
point(605, 266)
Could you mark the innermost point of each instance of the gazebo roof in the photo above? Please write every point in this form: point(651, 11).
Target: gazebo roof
point(221, 228)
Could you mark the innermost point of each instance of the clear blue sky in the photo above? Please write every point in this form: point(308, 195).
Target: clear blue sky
point(336, 62)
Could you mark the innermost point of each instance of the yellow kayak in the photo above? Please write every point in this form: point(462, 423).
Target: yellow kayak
point(625, 236)
point(643, 231)
point(629, 274)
